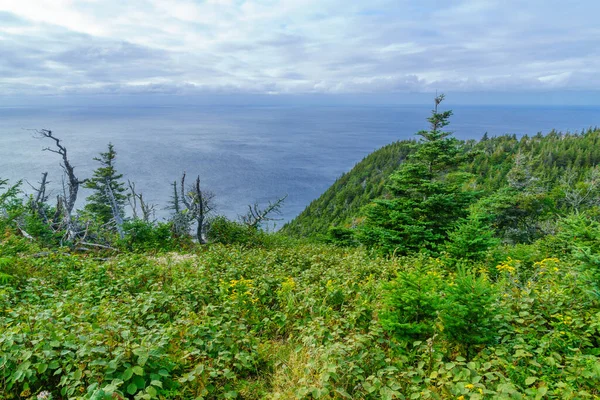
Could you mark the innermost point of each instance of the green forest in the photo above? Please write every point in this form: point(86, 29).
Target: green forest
point(435, 269)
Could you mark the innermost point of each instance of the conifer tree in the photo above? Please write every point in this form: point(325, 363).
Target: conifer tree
point(471, 239)
point(469, 310)
point(108, 190)
point(426, 194)
point(412, 302)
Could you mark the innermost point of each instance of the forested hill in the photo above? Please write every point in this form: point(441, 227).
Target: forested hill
point(553, 161)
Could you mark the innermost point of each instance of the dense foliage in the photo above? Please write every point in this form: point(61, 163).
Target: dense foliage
point(302, 321)
point(426, 196)
point(521, 183)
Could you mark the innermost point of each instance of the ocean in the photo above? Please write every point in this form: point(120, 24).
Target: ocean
point(244, 154)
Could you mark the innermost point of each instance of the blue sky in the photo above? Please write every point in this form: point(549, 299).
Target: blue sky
point(515, 50)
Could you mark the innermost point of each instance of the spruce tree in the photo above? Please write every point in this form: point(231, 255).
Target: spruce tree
point(105, 183)
point(469, 310)
point(426, 197)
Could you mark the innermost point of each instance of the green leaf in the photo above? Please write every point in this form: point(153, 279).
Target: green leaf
point(530, 380)
point(127, 374)
point(131, 388)
point(386, 393)
point(142, 359)
point(343, 393)
point(139, 382)
point(138, 370)
point(368, 387)
point(541, 392)
point(77, 374)
point(151, 391)
point(42, 368)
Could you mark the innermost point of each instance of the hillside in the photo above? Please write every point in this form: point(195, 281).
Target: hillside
point(548, 158)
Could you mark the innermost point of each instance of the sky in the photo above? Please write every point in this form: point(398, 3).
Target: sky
point(512, 50)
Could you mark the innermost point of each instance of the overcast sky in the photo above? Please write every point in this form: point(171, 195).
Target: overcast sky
point(187, 47)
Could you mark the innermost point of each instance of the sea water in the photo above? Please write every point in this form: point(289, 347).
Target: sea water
point(243, 154)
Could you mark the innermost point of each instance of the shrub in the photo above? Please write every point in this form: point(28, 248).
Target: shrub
point(471, 240)
point(469, 310)
point(145, 236)
point(341, 236)
point(411, 303)
point(224, 231)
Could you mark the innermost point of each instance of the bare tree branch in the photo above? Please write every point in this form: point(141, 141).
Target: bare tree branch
point(72, 181)
point(585, 193)
point(147, 210)
point(199, 203)
point(256, 216)
point(40, 198)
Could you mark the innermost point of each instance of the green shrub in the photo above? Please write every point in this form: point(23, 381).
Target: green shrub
point(471, 240)
point(341, 236)
point(412, 302)
point(469, 311)
point(224, 231)
point(141, 236)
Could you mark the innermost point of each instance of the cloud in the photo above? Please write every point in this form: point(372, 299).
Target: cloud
point(296, 46)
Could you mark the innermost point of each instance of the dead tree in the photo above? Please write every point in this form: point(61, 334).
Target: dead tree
point(116, 210)
point(581, 194)
point(39, 201)
point(199, 203)
point(148, 210)
point(175, 202)
point(180, 222)
point(72, 185)
point(257, 216)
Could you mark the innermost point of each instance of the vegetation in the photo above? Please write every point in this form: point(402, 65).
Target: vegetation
point(559, 175)
point(459, 270)
point(426, 197)
point(109, 193)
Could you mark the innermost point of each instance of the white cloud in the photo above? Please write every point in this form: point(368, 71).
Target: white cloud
point(296, 46)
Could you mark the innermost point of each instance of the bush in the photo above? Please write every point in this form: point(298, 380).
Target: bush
point(471, 240)
point(224, 231)
point(411, 303)
point(145, 236)
point(341, 236)
point(468, 311)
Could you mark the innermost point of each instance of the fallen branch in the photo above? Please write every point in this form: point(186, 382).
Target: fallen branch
point(101, 246)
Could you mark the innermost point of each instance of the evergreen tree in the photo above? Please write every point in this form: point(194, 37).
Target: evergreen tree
point(412, 302)
point(468, 311)
point(426, 199)
point(471, 240)
point(106, 184)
